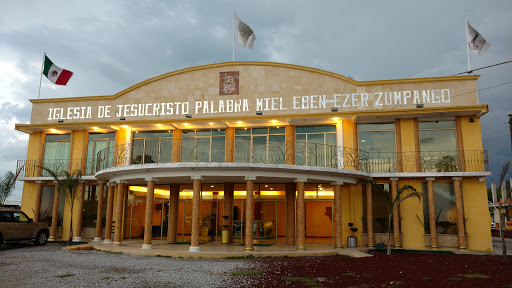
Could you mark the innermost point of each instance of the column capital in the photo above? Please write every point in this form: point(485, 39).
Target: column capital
point(55, 182)
point(81, 182)
point(303, 180)
point(247, 178)
point(39, 182)
point(101, 182)
point(393, 179)
point(112, 184)
point(457, 178)
point(122, 182)
point(336, 183)
point(150, 179)
point(430, 178)
point(196, 178)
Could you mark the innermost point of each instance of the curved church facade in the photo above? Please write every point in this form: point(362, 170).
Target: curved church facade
point(260, 152)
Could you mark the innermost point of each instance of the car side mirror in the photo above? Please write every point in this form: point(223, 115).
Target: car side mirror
point(30, 220)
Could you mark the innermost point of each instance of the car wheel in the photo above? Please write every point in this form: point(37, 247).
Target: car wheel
point(41, 238)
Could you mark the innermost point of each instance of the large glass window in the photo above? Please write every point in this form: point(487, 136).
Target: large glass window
point(316, 146)
point(438, 145)
point(446, 211)
point(96, 143)
point(91, 205)
point(203, 146)
point(152, 147)
point(260, 145)
point(379, 209)
point(46, 210)
point(379, 141)
point(56, 152)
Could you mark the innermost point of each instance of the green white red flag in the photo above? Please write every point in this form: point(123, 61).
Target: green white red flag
point(54, 73)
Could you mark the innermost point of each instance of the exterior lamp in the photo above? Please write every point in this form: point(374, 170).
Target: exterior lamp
point(334, 109)
point(419, 105)
point(122, 118)
point(471, 120)
point(60, 120)
point(188, 116)
point(259, 113)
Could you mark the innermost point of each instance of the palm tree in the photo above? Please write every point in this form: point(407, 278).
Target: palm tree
point(403, 193)
point(7, 184)
point(68, 182)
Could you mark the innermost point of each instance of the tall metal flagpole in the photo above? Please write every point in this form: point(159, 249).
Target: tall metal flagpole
point(233, 34)
point(41, 75)
point(467, 45)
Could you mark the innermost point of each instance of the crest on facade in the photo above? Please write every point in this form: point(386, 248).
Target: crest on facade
point(229, 83)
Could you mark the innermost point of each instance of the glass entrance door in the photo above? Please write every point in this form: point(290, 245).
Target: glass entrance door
point(319, 222)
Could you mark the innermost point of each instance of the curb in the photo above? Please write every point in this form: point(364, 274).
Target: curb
point(78, 247)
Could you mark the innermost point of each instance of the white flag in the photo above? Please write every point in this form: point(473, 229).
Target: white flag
point(245, 34)
point(476, 42)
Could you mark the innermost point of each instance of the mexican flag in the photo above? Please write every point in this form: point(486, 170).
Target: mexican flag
point(54, 73)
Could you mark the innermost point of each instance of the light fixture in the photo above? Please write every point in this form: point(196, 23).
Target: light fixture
point(471, 120)
point(419, 105)
point(188, 116)
point(124, 126)
point(95, 128)
point(186, 124)
point(259, 112)
point(122, 118)
point(335, 119)
point(334, 109)
point(60, 120)
point(53, 130)
point(211, 123)
point(159, 125)
point(239, 122)
point(274, 121)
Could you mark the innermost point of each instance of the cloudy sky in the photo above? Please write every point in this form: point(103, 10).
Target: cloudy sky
point(112, 45)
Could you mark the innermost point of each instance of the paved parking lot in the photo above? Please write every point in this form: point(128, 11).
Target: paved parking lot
point(51, 266)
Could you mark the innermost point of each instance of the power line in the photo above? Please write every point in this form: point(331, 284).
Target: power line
point(471, 71)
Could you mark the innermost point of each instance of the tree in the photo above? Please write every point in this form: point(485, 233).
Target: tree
point(505, 169)
point(68, 182)
point(7, 184)
point(403, 193)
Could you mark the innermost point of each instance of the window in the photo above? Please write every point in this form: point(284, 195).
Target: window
point(203, 146)
point(5, 216)
point(438, 145)
point(152, 147)
point(379, 141)
point(97, 143)
point(46, 210)
point(260, 145)
point(91, 205)
point(379, 209)
point(316, 146)
point(446, 211)
point(56, 152)
point(20, 217)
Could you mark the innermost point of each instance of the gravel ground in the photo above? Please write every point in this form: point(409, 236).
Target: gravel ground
point(48, 266)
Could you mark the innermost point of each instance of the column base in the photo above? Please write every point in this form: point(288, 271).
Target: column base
point(146, 246)
point(193, 249)
point(96, 239)
point(77, 239)
point(52, 238)
point(107, 241)
point(249, 249)
point(118, 243)
point(301, 248)
point(371, 246)
point(433, 247)
point(463, 248)
point(338, 247)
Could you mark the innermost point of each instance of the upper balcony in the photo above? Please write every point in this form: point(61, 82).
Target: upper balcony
point(299, 154)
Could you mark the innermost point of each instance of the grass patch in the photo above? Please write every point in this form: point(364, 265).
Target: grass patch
point(426, 278)
point(348, 274)
point(124, 277)
point(65, 275)
point(244, 273)
point(250, 256)
point(474, 275)
point(315, 282)
point(106, 278)
point(453, 278)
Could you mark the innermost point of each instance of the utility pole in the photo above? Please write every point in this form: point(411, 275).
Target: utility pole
point(510, 126)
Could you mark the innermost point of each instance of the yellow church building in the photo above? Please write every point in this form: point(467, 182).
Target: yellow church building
point(261, 152)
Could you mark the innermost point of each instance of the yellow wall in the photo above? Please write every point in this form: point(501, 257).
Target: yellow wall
point(408, 130)
point(351, 209)
point(413, 233)
point(28, 199)
point(473, 147)
point(476, 213)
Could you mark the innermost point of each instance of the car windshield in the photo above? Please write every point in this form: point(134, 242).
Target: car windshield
point(20, 217)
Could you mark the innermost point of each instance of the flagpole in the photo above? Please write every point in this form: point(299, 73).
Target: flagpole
point(467, 45)
point(233, 34)
point(41, 75)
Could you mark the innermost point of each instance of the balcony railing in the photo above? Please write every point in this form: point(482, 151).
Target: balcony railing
point(306, 154)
